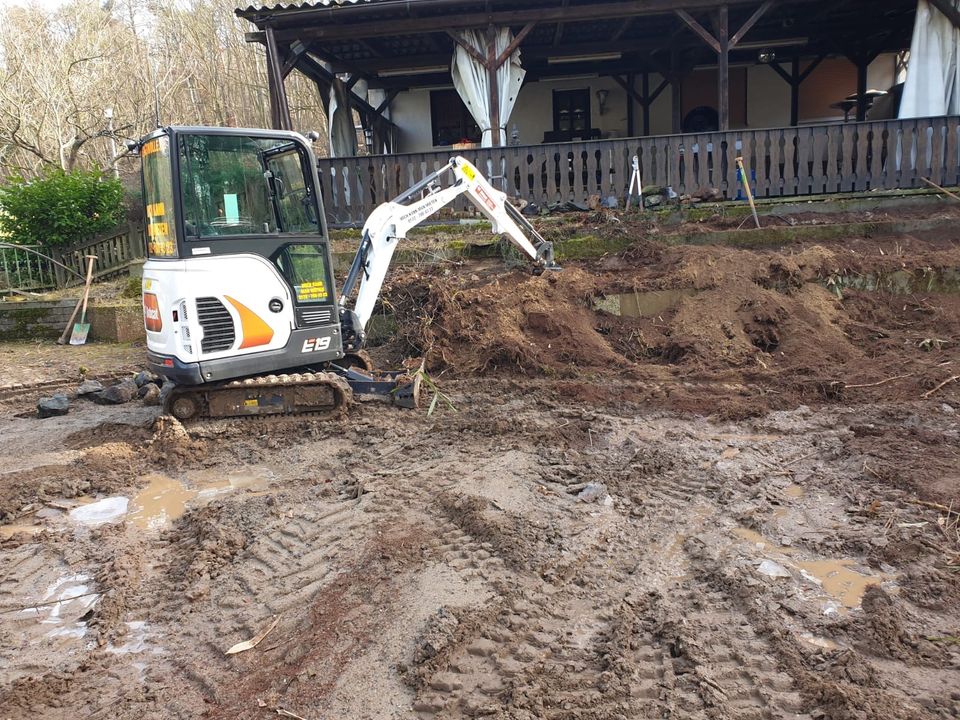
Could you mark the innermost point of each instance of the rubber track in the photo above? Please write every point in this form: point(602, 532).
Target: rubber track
point(340, 386)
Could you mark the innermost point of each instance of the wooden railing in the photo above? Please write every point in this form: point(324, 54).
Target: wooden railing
point(115, 252)
point(781, 162)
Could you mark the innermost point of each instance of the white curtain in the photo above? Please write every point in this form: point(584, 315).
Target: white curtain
point(932, 86)
point(343, 132)
point(471, 80)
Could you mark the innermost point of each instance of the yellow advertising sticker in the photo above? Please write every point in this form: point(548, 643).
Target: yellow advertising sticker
point(158, 230)
point(156, 210)
point(312, 291)
point(162, 248)
point(150, 148)
point(468, 171)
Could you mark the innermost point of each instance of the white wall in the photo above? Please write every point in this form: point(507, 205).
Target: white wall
point(767, 101)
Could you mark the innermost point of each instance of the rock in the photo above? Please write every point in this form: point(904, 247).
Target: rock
point(150, 394)
point(653, 201)
point(49, 407)
point(117, 394)
point(143, 377)
point(948, 409)
point(709, 194)
point(592, 492)
point(89, 387)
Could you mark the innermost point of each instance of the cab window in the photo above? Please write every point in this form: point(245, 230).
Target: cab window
point(291, 192)
point(158, 198)
point(305, 267)
point(242, 185)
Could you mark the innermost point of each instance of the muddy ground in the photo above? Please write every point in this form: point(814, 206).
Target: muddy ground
point(738, 505)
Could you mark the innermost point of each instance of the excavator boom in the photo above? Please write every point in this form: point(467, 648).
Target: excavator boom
point(391, 221)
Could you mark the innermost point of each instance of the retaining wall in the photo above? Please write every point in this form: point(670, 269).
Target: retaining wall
point(48, 318)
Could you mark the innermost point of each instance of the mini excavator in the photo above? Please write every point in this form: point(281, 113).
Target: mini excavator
point(239, 303)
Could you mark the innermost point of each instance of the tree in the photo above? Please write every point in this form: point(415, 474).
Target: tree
point(59, 208)
point(182, 62)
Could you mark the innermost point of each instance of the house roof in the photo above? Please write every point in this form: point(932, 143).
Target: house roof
point(300, 6)
point(378, 39)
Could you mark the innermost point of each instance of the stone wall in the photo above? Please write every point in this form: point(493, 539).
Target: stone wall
point(24, 320)
point(47, 319)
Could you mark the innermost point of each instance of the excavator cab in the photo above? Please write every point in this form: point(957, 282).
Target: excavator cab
point(238, 278)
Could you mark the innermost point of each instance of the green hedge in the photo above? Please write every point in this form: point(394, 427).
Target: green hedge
point(59, 208)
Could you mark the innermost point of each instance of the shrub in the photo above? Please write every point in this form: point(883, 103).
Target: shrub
point(59, 208)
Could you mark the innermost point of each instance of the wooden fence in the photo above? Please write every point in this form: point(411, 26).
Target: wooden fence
point(781, 162)
point(115, 252)
point(32, 268)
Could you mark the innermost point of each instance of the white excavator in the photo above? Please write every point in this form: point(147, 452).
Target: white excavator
point(239, 303)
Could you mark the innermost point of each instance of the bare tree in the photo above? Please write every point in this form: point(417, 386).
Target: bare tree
point(149, 61)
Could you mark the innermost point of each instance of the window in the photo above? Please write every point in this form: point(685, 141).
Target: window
point(305, 267)
point(158, 198)
point(451, 121)
point(571, 112)
point(294, 202)
point(237, 185)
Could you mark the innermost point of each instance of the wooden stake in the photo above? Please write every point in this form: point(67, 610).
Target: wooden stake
point(746, 186)
point(932, 184)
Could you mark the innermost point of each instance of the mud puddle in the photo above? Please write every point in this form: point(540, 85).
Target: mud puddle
point(840, 579)
point(162, 501)
point(165, 498)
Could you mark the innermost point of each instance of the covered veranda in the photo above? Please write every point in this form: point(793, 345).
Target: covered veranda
point(368, 56)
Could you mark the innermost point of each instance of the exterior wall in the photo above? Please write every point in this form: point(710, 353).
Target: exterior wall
point(759, 98)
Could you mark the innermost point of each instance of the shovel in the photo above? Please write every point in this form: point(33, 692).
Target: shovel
point(82, 328)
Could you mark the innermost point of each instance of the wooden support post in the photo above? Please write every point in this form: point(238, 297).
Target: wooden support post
point(721, 43)
point(862, 64)
point(647, 102)
point(723, 68)
point(676, 93)
point(494, 83)
point(795, 79)
point(794, 91)
point(279, 108)
point(631, 122)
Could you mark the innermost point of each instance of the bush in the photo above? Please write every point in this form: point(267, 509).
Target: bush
point(59, 208)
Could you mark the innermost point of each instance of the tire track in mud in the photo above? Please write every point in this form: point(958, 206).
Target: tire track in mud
point(606, 631)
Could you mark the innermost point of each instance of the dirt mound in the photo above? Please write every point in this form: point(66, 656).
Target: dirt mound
point(531, 324)
point(784, 320)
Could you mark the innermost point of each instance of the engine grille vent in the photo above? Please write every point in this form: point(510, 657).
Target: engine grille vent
point(218, 330)
point(314, 316)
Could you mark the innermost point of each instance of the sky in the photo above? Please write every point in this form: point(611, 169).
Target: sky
point(48, 4)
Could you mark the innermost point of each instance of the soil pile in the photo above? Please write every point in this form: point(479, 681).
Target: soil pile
point(785, 320)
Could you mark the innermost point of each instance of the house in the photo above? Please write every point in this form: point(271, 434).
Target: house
point(557, 96)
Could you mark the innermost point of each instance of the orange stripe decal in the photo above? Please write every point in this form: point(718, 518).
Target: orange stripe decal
point(255, 330)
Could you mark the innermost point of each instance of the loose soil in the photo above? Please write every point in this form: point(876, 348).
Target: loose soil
point(726, 510)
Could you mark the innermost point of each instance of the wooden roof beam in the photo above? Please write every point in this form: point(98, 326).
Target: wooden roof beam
point(713, 42)
point(465, 21)
point(699, 29)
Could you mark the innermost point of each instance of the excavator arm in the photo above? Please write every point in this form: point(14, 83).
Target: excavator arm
point(390, 222)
